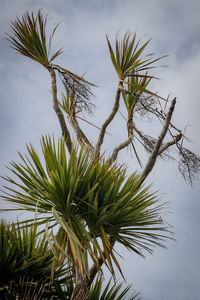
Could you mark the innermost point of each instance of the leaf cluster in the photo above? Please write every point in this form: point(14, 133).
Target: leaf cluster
point(93, 202)
point(24, 255)
point(30, 39)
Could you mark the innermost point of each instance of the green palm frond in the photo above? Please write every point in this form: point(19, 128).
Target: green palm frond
point(135, 86)
point(27, 289)
point(29, 38)
point(24, 255)
point(110, 292)
point(94, 203)
point(127, 58)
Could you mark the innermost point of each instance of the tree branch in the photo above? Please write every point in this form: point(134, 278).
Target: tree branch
point(126, 142)
point(152, 159)
point(79, 133)
point(169, 144)
point(65, 131)
point(108, 120)
point(118, 148)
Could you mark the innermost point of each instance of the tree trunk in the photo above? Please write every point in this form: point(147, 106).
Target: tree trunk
point(81, 290)
point(57, 110)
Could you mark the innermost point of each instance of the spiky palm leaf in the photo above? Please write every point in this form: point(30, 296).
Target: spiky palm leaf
point(110, 292)
point(134, 88)
point(128, 60)
point(27, 261)
point(29, 38)
point(93, 202)
point(27, 289)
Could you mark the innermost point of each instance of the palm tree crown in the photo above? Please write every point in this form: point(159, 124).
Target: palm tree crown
point(94, 203)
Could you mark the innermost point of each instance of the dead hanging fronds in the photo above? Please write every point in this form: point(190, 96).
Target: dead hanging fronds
point(78, 89)
point(148, 143)
point(145, 140)
point(189, 164)
point(28, 289)
point(146, 106)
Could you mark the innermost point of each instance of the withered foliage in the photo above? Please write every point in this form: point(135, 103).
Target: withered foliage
point(79, 90)
point(146, 106)
point(189, 164)
point(28, 290)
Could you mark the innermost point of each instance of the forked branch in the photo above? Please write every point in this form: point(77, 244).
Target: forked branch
point(127, 142)
point(108, 120)
point(170, 143)
point(155, 152)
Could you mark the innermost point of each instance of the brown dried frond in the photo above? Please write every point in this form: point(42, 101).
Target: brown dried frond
point(80, 90)
point(148, 143)
point(146, 106)
point(189, 164)
point(27, 289)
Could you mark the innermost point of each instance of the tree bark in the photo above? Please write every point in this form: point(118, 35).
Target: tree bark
point(109, 119)
point(81, 290)
point(79, 133)
point(65, 131)
point(126, 142)
point(152, 159)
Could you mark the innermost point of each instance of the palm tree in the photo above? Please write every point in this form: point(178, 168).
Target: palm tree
point(86, 205)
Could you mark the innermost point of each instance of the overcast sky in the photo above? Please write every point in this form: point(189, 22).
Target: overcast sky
point(26, 112)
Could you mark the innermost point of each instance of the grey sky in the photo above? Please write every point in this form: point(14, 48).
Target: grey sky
point(26, 112)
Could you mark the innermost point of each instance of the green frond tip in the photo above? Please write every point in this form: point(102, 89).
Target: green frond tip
point(127, 56)
point(29, 38)
point(114, 291)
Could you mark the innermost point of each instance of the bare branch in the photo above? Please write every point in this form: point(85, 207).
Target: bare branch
point(148, 141)
point(118, 148)
point(109, 119)
point(81, 137)
point(169, 144)
point(65, 131)
point(152, 159)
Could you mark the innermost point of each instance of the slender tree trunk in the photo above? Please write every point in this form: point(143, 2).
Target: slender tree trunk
point(109, 119)
point(81, 290)
point(65, 131)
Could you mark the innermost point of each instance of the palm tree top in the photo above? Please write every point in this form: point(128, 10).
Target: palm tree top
point(29, 38)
